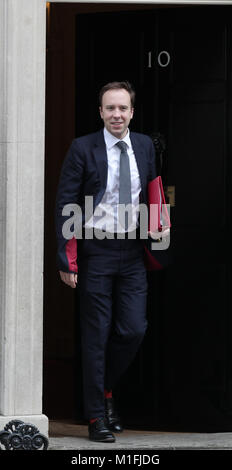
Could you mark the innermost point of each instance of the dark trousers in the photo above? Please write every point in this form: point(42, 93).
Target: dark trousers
point(113, 292)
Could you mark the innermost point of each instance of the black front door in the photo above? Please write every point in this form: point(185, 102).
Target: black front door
point(178, 61)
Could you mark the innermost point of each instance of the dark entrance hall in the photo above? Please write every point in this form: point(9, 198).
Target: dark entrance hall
point(178, 60)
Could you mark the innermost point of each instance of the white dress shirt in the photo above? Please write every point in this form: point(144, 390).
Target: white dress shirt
point(105, 216)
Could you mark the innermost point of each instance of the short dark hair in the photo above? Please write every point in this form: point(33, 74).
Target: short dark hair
point(118, 86)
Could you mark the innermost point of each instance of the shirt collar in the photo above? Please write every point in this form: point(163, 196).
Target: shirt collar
point(111, 140)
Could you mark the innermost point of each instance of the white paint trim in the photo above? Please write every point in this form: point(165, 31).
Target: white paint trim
point(22, 100)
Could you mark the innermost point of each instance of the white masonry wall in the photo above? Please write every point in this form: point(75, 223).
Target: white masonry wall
point(22, 117)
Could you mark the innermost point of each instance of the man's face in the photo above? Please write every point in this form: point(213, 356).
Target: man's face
point(116, 111)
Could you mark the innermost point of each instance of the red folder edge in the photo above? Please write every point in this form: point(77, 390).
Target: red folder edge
point(151, 263)
point(156, 196)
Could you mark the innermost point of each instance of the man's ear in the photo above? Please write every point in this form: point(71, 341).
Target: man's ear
point(100, 111)
point(132, 112)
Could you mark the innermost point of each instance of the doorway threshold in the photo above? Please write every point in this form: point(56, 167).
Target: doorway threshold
point(67, 435)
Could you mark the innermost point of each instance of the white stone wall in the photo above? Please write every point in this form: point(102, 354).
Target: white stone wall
point(22, 117)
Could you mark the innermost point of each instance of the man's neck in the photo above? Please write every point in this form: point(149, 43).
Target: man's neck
point(118, 136)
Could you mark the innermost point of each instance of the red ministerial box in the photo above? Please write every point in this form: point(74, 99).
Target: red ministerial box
point(157, 206)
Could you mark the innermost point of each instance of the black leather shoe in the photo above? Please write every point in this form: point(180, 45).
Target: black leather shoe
point(100, 432)
point(112, 418)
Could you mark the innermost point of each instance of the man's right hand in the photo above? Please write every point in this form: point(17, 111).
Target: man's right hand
point(69, 278)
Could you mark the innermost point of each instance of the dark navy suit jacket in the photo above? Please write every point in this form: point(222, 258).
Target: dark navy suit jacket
point(84, 173)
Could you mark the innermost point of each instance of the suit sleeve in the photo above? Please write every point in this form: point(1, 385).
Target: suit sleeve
point(68, 193)
point(152, 162)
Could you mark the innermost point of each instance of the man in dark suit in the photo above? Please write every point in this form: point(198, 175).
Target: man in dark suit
point(114, 166)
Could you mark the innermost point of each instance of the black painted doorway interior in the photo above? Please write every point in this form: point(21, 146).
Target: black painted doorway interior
point(178, 62)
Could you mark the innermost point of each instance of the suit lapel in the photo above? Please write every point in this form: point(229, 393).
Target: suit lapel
point(140, 160)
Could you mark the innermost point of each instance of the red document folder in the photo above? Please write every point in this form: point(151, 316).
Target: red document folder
point(158, 219)
point(157, 206)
